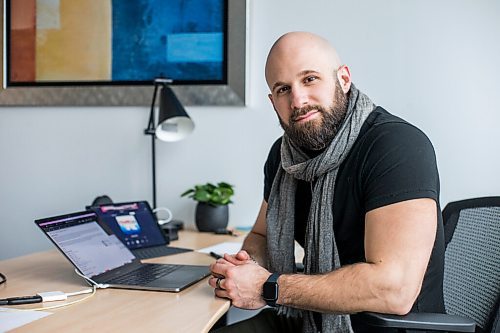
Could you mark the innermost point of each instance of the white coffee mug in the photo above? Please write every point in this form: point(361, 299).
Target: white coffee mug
point(163, 215)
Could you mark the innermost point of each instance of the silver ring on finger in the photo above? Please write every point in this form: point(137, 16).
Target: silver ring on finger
point(217, 284)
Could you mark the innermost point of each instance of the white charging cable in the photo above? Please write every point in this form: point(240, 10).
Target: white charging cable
point(92, 282)
point(53, 296)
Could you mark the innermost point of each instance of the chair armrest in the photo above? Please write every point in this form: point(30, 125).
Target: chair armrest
point(419, 321)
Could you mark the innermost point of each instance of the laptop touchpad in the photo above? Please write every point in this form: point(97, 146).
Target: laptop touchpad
point(181, 277)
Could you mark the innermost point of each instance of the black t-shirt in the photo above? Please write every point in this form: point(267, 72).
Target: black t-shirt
point(391, 161)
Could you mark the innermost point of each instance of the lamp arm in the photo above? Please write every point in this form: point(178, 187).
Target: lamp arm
point(150, 129)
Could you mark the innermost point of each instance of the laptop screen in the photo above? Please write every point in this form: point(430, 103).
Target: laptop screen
point(132, 222)
point(85, 242)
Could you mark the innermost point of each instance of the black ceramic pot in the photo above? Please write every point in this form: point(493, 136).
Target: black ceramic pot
point(211, 218)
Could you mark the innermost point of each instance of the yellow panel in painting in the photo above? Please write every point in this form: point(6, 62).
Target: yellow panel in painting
point(73, 40)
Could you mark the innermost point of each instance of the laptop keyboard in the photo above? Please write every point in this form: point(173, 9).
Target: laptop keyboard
point(144, 274)
point(158, 251)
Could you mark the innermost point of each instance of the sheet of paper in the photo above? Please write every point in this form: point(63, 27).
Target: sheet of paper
point(221, 248)
point(11, 318)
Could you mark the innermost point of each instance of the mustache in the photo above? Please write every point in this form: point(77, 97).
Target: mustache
point(296, 113)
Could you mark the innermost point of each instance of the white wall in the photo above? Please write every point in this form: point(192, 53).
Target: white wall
point(434, 63)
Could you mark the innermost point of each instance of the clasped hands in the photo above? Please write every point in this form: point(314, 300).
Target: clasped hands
point(239, 278)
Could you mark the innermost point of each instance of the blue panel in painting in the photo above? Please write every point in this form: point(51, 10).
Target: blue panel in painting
point(195, 47)
point(177, 39)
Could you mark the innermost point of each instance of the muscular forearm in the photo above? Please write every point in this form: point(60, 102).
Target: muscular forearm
point(397, 251)
point(351, 289)
point(256, 246)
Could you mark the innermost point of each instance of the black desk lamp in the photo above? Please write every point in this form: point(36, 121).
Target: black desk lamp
point(174, 123)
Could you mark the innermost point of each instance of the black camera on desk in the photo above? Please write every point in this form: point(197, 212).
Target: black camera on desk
point(171, 229)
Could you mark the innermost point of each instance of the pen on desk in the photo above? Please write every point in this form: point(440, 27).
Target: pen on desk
point(21, 300)
point(224, 231)
point(215, 255)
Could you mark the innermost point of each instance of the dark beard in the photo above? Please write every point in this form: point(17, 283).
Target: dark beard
point(318, 133)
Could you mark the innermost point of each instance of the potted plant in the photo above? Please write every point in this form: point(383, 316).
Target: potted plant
point(212, 212)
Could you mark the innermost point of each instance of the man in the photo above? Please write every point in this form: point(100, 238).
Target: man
point(357, 187)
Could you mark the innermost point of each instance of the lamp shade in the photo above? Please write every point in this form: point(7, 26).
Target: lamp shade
point(174, 123)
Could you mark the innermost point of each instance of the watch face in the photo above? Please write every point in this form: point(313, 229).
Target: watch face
point(270, 291)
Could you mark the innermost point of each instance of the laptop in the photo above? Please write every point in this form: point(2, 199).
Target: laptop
point(102, 257)
point(136, 226)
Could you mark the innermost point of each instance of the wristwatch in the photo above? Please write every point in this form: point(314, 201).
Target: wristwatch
point(270, 289)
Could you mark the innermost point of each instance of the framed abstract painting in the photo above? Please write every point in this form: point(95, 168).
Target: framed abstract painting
point(109, 52)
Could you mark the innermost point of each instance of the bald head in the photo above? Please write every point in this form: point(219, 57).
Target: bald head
point(309, 88)
point(301, 48)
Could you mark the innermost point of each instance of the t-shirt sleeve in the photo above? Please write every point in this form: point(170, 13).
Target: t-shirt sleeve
point(400, 165)
point(271, 167)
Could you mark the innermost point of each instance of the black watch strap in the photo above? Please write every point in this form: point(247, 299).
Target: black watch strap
point(270, 290)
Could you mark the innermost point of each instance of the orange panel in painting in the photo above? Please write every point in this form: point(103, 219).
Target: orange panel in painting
point(74, 41)
point(22, 41)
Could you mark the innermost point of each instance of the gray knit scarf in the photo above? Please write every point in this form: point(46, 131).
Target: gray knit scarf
point(321, 255)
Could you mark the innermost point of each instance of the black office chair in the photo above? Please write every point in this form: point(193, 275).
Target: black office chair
point(471, 285)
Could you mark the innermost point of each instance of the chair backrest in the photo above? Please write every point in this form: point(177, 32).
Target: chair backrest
point(495, 325)
point(471, 283)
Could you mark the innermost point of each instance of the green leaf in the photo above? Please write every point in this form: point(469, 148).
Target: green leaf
point(187, 192)
point(202, 196)
point(224, 185)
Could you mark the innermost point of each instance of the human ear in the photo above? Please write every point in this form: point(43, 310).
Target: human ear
point(344, 77)
point(272, 101)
